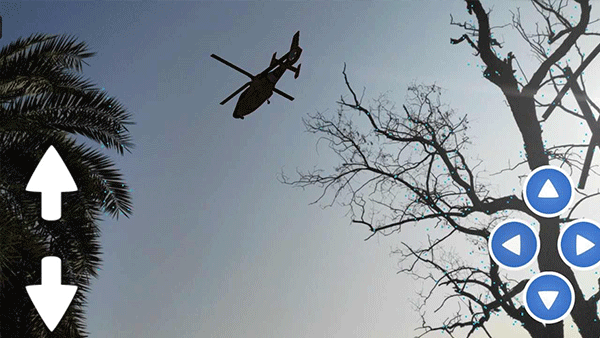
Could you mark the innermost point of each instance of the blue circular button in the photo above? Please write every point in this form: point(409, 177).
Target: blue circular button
point(548, 191)
point(578, 244)
point(549, 297)
point(513, 244)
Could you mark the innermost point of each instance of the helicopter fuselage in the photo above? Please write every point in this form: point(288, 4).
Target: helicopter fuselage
point(262, 85)
point(260, 90)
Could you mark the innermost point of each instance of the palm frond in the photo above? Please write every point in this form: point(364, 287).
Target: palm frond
point(33, 78)
point(47, 51)
point(108, 181)
point(63, 51)
point(92, 114)
point(22, 44)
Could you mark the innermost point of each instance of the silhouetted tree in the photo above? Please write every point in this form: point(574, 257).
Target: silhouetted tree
point(42, 102)
point(411, 167)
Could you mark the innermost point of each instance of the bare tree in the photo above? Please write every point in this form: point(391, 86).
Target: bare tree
point(411, 167)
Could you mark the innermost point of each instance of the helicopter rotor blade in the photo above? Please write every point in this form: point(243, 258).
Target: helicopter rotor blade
point(289, 97)
point(235, 93)
point(218, 58)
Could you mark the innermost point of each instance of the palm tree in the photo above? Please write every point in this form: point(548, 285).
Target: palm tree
point(44, 101)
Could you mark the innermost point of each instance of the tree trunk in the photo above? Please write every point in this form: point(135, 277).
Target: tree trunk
point(584, 313)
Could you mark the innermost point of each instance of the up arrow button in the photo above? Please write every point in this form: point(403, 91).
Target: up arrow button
point(51, 177)
point(548, 191)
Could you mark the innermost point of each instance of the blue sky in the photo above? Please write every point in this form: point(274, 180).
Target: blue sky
point(217, 246)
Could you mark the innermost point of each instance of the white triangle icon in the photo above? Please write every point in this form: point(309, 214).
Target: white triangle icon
point(582, 245)
point(548, 191)
point(513, 245)
point(548, 298)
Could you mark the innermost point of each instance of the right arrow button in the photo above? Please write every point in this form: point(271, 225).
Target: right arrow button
point(582, 245)
point(577, 244)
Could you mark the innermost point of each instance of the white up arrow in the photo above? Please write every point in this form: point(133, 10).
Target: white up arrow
point(51, 299)
point(51, 177)
point(548, 191)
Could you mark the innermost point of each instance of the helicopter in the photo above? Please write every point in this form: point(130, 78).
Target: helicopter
point(262, 85)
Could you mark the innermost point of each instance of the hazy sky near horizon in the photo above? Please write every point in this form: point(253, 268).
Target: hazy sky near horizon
point(217, 246)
